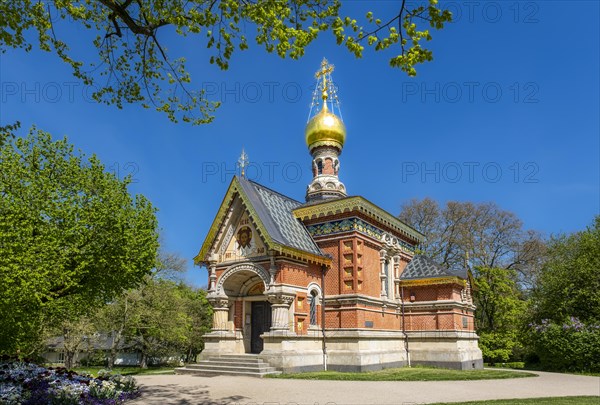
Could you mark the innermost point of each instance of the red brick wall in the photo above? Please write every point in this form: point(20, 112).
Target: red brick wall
point(356, 264)
point(237, 314)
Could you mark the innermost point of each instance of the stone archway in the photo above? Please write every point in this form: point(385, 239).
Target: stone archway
point(240, 303)
point(239, 276)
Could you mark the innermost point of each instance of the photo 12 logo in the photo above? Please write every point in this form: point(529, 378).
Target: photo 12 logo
point(470, 92)
point(253, 92)
point(290, 172)
point(489, 12)
point(47, 92)
point(125, 170)
point(468, 172)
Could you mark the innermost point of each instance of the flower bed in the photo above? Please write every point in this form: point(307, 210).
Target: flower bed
point(23, 382)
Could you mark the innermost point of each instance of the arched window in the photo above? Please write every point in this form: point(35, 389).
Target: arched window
point(320, 167)
point(314, 296)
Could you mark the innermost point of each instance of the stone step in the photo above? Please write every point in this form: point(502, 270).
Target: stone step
point(216, 367)
point(211, 373)
point(235, 360)
point(230, 364)
point(249, 357)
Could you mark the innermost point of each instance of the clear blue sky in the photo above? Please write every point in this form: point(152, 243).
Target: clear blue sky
point(507, 112)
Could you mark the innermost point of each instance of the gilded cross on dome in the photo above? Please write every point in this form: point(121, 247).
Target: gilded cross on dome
point(324, 72)
point(325, 69)
point(243, 162)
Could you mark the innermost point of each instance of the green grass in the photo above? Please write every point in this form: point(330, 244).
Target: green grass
point(534, 368)
point(408, 374)
point(93, 370)
point(532, 401)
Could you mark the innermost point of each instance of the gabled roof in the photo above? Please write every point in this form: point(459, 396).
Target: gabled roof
point(275, 212)
point(271, 212)
point(422, 267)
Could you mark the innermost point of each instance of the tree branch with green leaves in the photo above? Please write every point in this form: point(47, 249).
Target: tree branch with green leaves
point(134, 65)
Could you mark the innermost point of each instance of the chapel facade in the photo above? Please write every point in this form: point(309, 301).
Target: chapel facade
point(332, 282)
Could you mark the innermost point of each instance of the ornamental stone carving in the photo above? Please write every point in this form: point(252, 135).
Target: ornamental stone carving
point(236, 268)
point(280, 307)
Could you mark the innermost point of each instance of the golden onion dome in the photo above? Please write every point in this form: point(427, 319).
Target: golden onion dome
point(325, 129)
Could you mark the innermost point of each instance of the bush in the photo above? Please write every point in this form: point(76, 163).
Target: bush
point(96, 358)
point(498, 347)
point(513, 364)
point(572, 346)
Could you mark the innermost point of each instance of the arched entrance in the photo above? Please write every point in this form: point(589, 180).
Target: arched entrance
point(249, 312)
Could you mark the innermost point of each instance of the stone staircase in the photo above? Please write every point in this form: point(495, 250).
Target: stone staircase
point(249, 365)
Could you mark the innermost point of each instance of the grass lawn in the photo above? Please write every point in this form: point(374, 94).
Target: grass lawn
point(532, 401)
point(93, 370)
point(408, 374)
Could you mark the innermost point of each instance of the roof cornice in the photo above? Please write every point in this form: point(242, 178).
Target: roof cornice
point(360, 204)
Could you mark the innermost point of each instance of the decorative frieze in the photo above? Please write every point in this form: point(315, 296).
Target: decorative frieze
point(358, 225)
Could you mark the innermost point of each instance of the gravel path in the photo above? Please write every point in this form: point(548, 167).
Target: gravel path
point(186, 389)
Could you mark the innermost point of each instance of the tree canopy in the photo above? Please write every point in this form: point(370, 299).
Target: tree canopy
point(133, 64)
point(481, 233)
point(71, 235)
point(569, 283)
point(499, 310)
point(563, 326)
point(161, 318)
point(502, 255)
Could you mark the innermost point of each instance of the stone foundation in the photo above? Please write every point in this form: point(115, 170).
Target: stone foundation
point(347, 350)
point(448, 349)
point(354, 350)
point(217, 343)
point(365, 350)
point(292, 353)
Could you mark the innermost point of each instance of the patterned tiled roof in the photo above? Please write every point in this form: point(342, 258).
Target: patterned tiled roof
point(275, 212)
point(424, 267)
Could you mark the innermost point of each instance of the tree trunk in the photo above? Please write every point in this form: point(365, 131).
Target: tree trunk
point(112, 357)
point(143, 360)
point(69, 359)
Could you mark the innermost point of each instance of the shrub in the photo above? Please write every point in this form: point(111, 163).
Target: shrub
point(571, 346)
point(513, 364)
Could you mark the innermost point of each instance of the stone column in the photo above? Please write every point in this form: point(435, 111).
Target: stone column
point(280, 310)
point(212, 276)
point(396, 277)
point(272, 268)
point(382, 275)
point(220, 306)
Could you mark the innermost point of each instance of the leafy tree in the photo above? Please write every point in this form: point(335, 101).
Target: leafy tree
point(569, 283)
point(563, 327)
point(163, 317)
point(71, 235)
point(504, 258)
point(111, 322)
point(565, 346)
point(483, 234)
point(76, 334)
point(200, 320)
point(159, 323)
point(7, 132)
point(499, 310)
point(133, 65)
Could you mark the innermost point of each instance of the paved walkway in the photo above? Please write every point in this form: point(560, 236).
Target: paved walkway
point(186, 389)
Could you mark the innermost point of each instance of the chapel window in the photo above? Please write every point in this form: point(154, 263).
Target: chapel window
point(313, 307)
point(386, 270)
